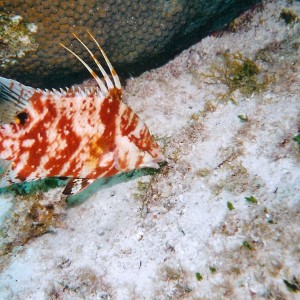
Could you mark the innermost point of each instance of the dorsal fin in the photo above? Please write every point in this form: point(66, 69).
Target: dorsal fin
point(107, 84)
point(13, 98)
point(76, 185)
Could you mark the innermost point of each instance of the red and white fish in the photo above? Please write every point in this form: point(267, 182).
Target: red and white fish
point(79, 134)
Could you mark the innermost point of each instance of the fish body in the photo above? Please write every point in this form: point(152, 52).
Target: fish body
point(79, 134)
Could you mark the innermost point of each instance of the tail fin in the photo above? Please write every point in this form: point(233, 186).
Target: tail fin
point(13, 98)
point(5, 149)
point(3, 136)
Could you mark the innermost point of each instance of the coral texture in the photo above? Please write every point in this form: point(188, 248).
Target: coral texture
point(133, 33)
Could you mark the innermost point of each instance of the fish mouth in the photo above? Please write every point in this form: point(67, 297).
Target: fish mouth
point(159, 158)
point(154, 163)
point(150, 165)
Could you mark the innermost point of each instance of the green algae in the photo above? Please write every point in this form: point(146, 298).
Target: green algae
point(243, 118)
point(240, 73)
point(230, 206)
point(296, 138)
point(199, 277)
point(213, 269)
point(293, 286)
point(248, 245)
point(251, 199)
point(289, 16)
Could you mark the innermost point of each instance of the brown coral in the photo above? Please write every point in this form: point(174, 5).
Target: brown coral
point(131, 32)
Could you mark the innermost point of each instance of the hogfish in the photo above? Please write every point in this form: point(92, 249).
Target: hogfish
point(79, 134)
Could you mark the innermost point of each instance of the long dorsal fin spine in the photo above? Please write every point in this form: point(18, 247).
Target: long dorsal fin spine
point(99, 94)
point(112, 70)
point(106, 78)
point(100, 83)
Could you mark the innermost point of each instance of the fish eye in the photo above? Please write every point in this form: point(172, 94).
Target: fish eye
point(21, 117)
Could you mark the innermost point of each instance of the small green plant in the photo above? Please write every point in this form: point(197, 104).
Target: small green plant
point(243, 118)
point(296, 138)
point(173, 274)
point(203, 172)
point(248, 245)
point(143, 186)
point(230, 206)
point(143, 189)
point(293, 286)
point(213, 269)
point(238, 73)
point(251, 199)
point(199, 276)
point(289, 16)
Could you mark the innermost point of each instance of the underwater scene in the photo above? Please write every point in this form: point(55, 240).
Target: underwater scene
point(149, 149)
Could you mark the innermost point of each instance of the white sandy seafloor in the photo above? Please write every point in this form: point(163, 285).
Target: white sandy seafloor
point(148, 237)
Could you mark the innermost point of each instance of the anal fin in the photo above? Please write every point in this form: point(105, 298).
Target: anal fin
point(76, 185)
